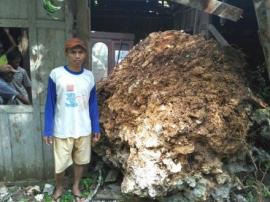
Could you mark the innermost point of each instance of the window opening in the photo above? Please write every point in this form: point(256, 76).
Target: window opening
point(15, 84)
point(100, 60)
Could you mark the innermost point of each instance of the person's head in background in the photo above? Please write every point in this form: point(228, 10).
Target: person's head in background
point(14, 58)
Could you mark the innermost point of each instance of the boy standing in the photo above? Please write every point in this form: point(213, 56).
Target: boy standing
point(71, 116)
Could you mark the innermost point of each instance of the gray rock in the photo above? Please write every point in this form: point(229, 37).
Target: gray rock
point(48, 188)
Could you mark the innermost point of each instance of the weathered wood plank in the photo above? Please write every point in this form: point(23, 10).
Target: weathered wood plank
point(47, 156)
point(82, 12)
point(220, 39)
point(16, 109)
point(25, 145)
point(5, 22)
point(51, 54)
point(6, 163)
point(214, 7)
point(25, 23)
point(7, 6)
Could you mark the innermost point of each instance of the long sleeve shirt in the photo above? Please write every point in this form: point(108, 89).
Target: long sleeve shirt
point(71, 108)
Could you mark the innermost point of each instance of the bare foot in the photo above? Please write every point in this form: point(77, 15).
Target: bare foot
point(57, 194)
point(77, 194)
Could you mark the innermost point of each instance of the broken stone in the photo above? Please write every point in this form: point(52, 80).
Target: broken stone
point(112, 192)
point(240, 198)
point(3, 191)
point(10, 200)
point(222, 193)
point(48, 188)
point(170, 114)
point(112, 175)
point(223, 178)
point(39, 197)
point(173, 167)
point(32, 190)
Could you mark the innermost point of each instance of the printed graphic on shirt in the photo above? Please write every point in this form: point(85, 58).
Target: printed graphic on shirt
point(70, 96)
point(71, 100)
point(70, 87)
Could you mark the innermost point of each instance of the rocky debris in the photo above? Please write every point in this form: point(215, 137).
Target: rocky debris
point(48, 188)
point(3, 192)
point(261, 132)
point(32, 190)
point(171, 112)
point(112, 176)
point(39, 197)
point(111, 192)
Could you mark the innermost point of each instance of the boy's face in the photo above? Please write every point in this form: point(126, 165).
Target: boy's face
point(76, 56)
point(15, 63)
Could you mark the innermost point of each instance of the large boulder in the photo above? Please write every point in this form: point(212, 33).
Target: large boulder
point(171, 112)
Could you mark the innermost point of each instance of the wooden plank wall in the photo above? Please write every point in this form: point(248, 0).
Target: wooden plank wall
point(22, 153)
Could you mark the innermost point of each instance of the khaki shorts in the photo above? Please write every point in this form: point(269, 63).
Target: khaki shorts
point(69, 150)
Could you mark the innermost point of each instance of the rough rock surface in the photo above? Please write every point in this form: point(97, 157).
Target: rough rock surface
point(171, 112)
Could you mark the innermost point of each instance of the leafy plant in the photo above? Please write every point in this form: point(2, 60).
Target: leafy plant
point(47, 198)
point(67, 197)
point(254, 187)
point(86, 183)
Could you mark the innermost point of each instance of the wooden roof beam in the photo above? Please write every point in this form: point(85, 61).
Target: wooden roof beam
point(214, 7)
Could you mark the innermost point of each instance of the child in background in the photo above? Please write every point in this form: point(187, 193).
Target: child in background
point(21, 80)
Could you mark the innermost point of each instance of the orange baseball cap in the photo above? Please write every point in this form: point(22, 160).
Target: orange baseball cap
point(74, 42)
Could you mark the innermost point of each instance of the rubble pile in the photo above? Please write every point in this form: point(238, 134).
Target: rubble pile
point(171, 112)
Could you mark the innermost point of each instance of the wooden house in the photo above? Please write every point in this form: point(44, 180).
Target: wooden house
point(22, 153)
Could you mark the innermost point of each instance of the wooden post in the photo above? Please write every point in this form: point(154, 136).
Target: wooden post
point(82, 20)
point(214, 7)
point(262, 10)
point(220, 39)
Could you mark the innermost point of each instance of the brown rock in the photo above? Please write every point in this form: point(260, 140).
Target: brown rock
point(169, 108)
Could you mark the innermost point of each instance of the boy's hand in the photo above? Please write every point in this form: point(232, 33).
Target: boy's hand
point(48, 140)
point(6, 68)
point(96, 137)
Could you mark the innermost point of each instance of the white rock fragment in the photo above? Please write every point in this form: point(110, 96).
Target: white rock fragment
point(171, 166)
point(48, 188)
point(3, 191)
point(32, 190)
point(10, 200)
point(39, 197)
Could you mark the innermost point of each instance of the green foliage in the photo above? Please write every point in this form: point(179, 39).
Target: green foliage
point(67, 197)
point(266, 192)
point(259, 82)
point(255, 188)
point(49, 6)
point(250, 197)
point(86, 183)
point(47, 198)
point(265, 92)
